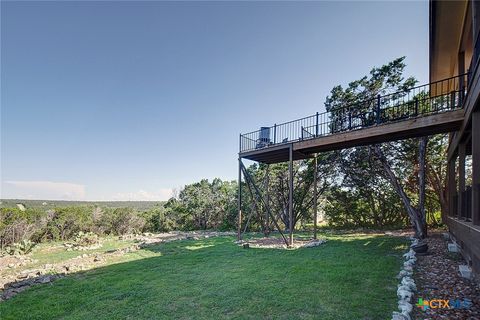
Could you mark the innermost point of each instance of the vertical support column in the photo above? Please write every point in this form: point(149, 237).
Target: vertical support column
point(451, 185)
point(239, 235)
point(315, 198)
point(461, 179)
point(267, 190)
point(476, 167)
point(290, 194)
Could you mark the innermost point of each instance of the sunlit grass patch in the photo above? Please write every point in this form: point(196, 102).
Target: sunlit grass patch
point(349, 277)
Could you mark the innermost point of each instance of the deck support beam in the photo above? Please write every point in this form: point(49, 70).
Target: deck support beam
point(461, 178)
point(451, 186)
point(476, 167)
point(239, 199)
point(315, 197)
point(290, 195)
point(259, 197)
point(267, 190)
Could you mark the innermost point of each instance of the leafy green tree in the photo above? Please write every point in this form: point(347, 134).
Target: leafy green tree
point(359, 96)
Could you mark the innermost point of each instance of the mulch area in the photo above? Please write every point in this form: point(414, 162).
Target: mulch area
point(437, 277)
point(277, 242)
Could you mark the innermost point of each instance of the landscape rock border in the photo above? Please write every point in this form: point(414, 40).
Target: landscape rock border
point(406, 288)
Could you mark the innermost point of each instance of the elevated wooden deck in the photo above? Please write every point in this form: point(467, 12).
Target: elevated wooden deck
point(446, 121)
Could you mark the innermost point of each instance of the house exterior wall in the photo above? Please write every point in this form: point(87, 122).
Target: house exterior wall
point(455, 49)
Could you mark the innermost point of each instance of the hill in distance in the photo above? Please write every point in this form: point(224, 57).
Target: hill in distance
point(50, 204)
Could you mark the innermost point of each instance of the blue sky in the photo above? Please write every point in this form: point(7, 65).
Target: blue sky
point(129, 100)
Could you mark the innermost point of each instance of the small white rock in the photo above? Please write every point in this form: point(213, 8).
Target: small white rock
point(453, 247)
point(400, 316)
point(404, 295)
point(465, 271)
point(405, 307)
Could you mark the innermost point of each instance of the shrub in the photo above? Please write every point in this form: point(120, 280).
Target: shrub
point(17, 225)
point(126, 220)
point(85, 239)
point(159, 219)
point(21, 248)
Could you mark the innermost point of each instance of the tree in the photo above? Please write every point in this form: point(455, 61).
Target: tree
point(387, 79)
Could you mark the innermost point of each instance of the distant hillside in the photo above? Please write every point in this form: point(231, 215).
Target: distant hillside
point(50, 204)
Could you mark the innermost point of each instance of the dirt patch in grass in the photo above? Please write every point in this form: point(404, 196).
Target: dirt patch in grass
point(279, 243)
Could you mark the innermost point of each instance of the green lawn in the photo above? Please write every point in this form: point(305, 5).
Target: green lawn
point(349, 277)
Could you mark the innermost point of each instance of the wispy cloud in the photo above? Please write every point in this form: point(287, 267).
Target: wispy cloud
point(142, 195)
point(43, 190)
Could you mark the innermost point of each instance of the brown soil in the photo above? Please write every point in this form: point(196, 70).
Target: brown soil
point(277, 243)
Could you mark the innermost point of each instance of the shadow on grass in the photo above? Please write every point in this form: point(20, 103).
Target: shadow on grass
point(214, 278)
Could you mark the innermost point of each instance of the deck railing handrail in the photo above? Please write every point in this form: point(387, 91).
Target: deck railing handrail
point(377, 110)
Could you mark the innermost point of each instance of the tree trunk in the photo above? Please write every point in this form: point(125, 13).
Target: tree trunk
point(422, 148)
point(412, 212)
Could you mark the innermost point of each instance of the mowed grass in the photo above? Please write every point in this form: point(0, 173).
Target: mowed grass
point(349, 277)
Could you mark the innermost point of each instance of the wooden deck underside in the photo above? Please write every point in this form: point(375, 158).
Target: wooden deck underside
point(417, 127)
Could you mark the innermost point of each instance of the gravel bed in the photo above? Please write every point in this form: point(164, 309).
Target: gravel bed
point(437, 277)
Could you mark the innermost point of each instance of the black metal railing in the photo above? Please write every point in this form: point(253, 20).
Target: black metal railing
point(437, 97)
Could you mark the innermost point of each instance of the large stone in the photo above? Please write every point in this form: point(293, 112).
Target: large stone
point(315, 243)
point(407, 281)
point(400, 316)
point(465, 271)
point(453, 247)
point(405, 295)
point(44, 279)
point(405, 307)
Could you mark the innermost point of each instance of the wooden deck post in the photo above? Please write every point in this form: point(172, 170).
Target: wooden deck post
point(315, 198)
point(451, 185)
point(476, 167)
point(239, 236)
point(461, 179)
point(290, 194)
point(267, 195)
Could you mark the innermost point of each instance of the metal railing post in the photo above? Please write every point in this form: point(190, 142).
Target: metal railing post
point(461, 87)
point(416, 107)
point(316, 125)
point(349, 119)
point(275, 133)
point(378, 109)
point(452, 100)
